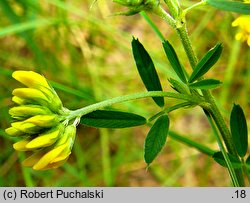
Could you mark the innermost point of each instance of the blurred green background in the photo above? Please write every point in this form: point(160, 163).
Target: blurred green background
point(86, 55)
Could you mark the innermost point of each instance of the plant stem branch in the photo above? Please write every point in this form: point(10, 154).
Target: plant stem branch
point(214, 111)
point(201, 3)
point(80, 112)
point(153, 26)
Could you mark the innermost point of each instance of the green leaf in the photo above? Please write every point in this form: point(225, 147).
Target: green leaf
point(210, 58)
point(174, 61)
point(205, 84)
point(228, 5)
point(238, 126)
point(156, 138)
point(147, 70)
point(248, 160)
point(248, 163)
point(112, 119)
point(218, 157)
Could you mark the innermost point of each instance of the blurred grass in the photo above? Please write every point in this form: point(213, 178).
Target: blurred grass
point(87, 56)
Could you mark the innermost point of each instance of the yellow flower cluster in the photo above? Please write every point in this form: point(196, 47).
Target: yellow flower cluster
point(40, 122)
point(243, 22)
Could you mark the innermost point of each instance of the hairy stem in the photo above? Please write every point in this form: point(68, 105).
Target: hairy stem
point(215, 112)
point(109, 102)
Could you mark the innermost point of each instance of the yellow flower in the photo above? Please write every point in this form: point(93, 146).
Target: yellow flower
point(47, 138)
point(51, 157)
point(14, 132)
point(30, 79)
point(38, 90)
point(40, 121)
point(25, 127)
point(243, 22)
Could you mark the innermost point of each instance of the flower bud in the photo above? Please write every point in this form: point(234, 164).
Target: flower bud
point(26, 111)
point(21, 145)
point(34, 80)
point(30, 79)
point(14, 132)
point(34, 158)
point(56, 156)
point(44, 120)
point(30, 95)
point(25, 127)
point(55, 104)
point(19, 100)
point(47, 138)
point(49, 156)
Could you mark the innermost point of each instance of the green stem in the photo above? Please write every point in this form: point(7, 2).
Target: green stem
point(214, 111)
point(223, 150)
point(201, 3)
point(153, 26)
point(109, 102)
point(168, 110)
point(159, 11)
point(173, 7)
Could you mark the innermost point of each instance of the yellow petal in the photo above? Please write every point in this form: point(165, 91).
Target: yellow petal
point(44, 120)
point(48, 157)
point(18, 100)
point(45, 139)
point(29, 93)
point(61, 157)
point(33, 159)
point(25, 127)
point(28, 111)
point(20, 146)
point(13, 131)
point(30, 79)
point(248, 41)
point(55, 164)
